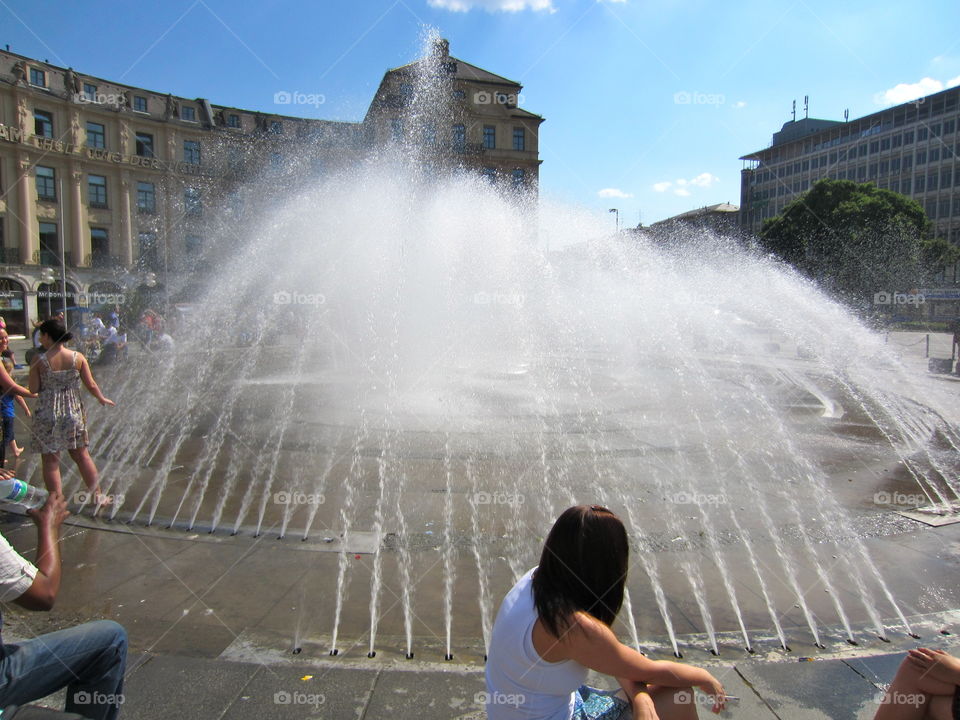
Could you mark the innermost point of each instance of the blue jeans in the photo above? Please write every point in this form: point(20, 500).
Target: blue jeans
point(88, 659)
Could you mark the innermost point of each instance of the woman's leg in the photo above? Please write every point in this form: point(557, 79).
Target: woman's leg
point(51, 472)
point(87, 468)
point(669, 703)
point(914, 695)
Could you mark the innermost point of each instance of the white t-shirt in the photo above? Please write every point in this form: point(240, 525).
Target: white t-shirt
point(16, 573)
point(520, 684)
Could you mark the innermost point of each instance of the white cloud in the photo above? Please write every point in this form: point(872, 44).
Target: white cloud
point(494, 5)
point(614, 193)
point(680, 185)
point(953, 82)
point(739, 104)
point(904, 92)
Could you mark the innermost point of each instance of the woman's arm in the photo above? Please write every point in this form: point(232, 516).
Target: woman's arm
point(87, 377)
point(10, 386)
point(23, 405)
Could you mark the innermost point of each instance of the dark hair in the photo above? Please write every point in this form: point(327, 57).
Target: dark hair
point(55, 330)
point(583, 567)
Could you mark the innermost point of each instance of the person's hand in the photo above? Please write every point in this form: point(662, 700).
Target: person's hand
point(53, 512)
point(107, 401)
point(7, 474)
point(715, 690)
point(936, 664)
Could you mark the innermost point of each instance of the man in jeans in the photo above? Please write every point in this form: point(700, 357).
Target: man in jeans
point(88, 659)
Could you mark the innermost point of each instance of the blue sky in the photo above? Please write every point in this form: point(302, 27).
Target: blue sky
point(649, 103)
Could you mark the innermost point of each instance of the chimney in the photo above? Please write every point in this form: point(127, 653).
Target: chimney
point(441, 48)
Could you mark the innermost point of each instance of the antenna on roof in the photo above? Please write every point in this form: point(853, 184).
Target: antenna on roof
point(806, 106)
point(846, 115)
point(794, 111)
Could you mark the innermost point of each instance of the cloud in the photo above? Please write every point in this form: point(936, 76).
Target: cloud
point(739, 104)
point(681, 185)
point(905, 92)
point(494, 5)
point(614, 193)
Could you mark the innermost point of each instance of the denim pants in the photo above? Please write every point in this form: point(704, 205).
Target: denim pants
point(88, 659)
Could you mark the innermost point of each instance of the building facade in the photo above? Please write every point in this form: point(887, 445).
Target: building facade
point(117, 187)
point(909, 149)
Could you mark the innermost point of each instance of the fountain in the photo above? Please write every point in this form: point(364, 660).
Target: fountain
point(429, 386)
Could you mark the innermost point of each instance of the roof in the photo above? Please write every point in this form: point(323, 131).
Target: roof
point(719, 208)
point(465, 71)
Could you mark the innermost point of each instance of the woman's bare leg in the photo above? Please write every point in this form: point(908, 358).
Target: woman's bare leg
point(914, 695)
point(669, 703)
point(51, 472)
point(89, 473)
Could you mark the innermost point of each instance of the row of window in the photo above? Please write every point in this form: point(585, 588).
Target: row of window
point(458, 135)
point(97, 192)
point(518, 176)
point(922, 182)
point(97, 138)
point(147, 245)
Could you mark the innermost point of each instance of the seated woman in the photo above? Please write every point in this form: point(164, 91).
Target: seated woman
point(554, 625)
point(927, 685)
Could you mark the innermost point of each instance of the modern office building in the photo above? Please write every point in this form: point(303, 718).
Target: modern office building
point(125, 187)
point(910, 149)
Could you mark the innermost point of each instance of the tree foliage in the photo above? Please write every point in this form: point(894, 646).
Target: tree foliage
point(857, 239)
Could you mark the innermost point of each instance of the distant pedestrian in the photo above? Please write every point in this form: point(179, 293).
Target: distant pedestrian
point(60, 421)
point(8, 418)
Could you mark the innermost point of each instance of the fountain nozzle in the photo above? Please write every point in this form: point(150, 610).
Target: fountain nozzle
point(448, 656)
point(409, 656)
point(334, 652)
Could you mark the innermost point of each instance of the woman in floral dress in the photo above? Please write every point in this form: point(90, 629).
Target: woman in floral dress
point(59, 421)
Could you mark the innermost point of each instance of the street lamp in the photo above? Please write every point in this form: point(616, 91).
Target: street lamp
point(617, 218)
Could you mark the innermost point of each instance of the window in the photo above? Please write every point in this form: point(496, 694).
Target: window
point(519, 139)
point(885, 144)
point(193, 244)
point(97, 191)
point(489, 137)
point(145, 145)
point(873, 170)
point(429, 134)
point(921, 157)
point(192, 202)
point(188, 113)
point(956, 206)
point(276, 127)
point(862, 150)
point(921, 134)
point(396, 129)
point(147, 257)
point(935, 130)
point(146, 197)
point(944, 209)
point(46, 183)
point(945, 178)
point(874, 147)
point(519, 178)
point(908, 137)
point(89, 92)
point(907, 163)
point(949, 126)
point(897, 140)
point(191, 151)
point(139, 103)
point(38, 78)
point(932, 181)
point(905, 189)
point(459, 94)
point(49, 244)
point(43, 123)
point(99, 248)
point(861, 173)
point(919, 183)
point(458, 136)
point(930, 207)
point(895, 165)
point(490, 174)
point(276, 162)
point(96, 135)
point(233, 120)
point(934, 154)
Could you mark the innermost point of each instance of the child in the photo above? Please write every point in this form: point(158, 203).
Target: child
point(10, 448)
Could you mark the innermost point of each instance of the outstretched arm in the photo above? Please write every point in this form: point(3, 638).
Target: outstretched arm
point(10, 386)
point(87, 377)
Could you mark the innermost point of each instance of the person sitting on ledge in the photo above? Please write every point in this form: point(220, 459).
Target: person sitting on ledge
point(89, 659)
point(927, 685)
point(554, 625)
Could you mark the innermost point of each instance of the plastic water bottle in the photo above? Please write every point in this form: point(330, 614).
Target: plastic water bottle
point(17, 492)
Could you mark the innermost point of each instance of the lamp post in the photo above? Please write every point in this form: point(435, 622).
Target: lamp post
point(617, 217)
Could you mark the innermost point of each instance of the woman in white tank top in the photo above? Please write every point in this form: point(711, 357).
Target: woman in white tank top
point(554, 625)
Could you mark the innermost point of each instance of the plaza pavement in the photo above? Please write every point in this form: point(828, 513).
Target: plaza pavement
point(206, 673)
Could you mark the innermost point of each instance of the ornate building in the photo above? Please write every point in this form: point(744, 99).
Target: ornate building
point(115, 186)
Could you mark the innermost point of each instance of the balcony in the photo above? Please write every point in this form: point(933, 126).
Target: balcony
point(9, 256)
point(51, 258)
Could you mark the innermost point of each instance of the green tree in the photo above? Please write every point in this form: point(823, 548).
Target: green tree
point(856, 239)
